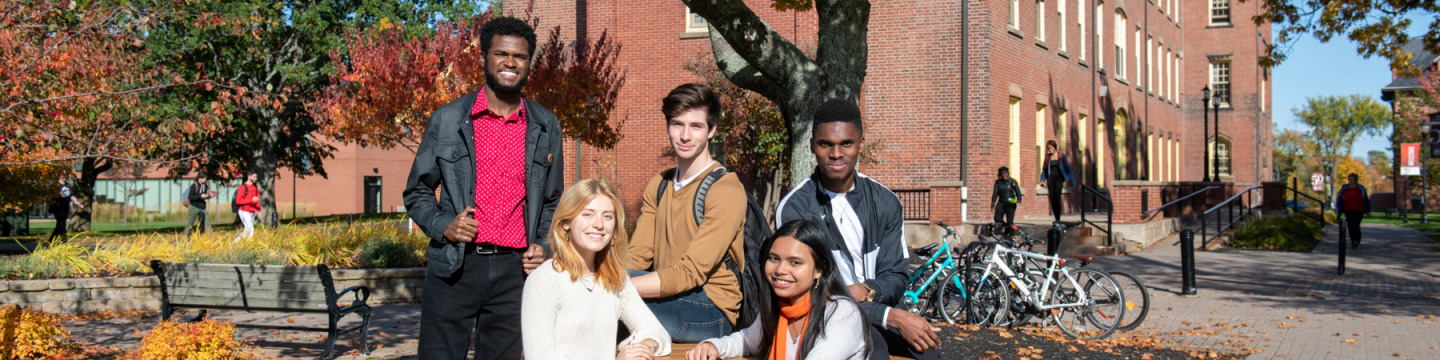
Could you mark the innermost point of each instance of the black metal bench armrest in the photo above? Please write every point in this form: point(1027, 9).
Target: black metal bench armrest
point(362, 294)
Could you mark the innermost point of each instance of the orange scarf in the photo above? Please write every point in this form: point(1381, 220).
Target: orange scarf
point(789, 312)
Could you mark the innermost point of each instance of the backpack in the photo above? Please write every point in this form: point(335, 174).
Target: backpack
point(757, 229)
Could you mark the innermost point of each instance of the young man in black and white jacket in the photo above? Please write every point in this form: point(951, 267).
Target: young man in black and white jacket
point(866, 232)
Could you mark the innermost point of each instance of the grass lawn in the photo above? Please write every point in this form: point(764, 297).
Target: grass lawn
point(44, 227)
point(1430, 229)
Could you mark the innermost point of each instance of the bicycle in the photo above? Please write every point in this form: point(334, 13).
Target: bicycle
point(1137, 300)
point(1070, 303)
point(919, 294)
point(955, 302)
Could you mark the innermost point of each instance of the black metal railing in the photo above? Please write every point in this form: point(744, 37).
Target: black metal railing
point(1296, 205)
point(1247, 198)
point(1095, 197)
point(1178, 201)
point(915, 202)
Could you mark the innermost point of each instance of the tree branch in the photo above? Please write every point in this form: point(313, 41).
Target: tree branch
point(770, 54)
point(10, 108)
point(736, 69)
point(65, 159)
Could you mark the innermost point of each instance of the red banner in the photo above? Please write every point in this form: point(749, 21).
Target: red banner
point(1410, 159)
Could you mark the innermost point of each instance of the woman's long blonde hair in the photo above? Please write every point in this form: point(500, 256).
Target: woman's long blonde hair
point(610, 268)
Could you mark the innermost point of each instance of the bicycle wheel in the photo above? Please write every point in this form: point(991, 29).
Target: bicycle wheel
point(1098, 315)
point(984, 301)
point(1137, 300)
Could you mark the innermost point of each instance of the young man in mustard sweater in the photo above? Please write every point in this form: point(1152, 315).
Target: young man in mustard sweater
point(677, 263)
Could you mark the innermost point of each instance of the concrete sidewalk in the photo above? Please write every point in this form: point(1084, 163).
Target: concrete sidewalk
point(1292, 305)
point(1286, 305)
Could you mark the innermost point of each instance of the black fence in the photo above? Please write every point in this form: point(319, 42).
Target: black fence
point(916, 203)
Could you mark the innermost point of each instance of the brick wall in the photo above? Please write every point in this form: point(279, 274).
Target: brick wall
point(913, 91)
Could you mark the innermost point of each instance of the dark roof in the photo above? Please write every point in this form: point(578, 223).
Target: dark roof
point(1421, 60)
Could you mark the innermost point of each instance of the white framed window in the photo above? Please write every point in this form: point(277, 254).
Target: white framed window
point(1060, 7)
point(1139, 73)
point(1015, 14)
point(1150, 64)
point(1220, 81)
point(1220, 153)
point(1120, 44)
point(1219, 12)
point(694, 23)
point(1099, 34)
point(1040, 20)
point(1084, 32)
point(1014, 137)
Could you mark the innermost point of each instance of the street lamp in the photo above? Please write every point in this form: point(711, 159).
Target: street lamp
point(1205, 122)
point(1215, 101)
point(1425, 183)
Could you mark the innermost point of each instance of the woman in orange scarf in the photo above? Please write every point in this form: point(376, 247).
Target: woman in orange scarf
point(795, 325)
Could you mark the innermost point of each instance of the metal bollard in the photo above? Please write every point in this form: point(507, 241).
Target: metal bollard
point(1187, 262)
point(1344, 230)
point(1052, 241)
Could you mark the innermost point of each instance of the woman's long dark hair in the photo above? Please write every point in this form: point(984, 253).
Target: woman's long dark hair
point(829, 285)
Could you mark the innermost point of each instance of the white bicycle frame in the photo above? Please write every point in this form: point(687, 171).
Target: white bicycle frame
point(995, 261)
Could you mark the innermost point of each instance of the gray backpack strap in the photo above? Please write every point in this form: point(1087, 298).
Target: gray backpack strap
point(704, 190)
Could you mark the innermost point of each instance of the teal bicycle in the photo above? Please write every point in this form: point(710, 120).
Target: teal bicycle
point(938, 290)
point(921, 298)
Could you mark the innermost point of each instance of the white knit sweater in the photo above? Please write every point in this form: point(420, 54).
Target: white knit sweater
point(563, 319)
point(845, 332)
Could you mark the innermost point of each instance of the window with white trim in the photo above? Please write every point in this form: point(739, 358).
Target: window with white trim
point(1084, 32)
point(1015, 14)
point(1040, 20)
point(1099, 34)
point(695, 23)
point(1120, 44)
point(1220, 153)
point(1060, 7)
point(1220, 81)
point(1219, 12)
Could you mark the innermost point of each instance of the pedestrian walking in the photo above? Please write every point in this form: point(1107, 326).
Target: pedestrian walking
point(60, 206)
point(248, 196)
point(1056, 175)
point(1006, 196)
point(1354, 202)
point(195, 197)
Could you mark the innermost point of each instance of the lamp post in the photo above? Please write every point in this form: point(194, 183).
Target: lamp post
point(1424, 182)
point(1215, 101)
point(1205, 122)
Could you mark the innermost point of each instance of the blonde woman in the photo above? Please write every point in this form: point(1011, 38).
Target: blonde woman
point(571, 303)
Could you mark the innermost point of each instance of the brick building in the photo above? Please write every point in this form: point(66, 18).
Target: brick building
point(959, 88)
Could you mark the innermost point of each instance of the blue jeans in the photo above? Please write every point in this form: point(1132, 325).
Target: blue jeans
point(689, 317)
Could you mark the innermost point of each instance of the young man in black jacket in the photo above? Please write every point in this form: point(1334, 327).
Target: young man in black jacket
point(866, 232)
point(196, 196)
point(499, 157)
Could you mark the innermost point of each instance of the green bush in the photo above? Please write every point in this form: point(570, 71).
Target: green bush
point(1291, 233)
point(1312, 213)
point(390, 252)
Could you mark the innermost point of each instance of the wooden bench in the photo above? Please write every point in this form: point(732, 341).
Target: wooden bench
point(263, 288)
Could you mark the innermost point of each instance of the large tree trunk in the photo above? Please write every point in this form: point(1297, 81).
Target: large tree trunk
point(266, 161)
point(84, 192)
point(755, 57)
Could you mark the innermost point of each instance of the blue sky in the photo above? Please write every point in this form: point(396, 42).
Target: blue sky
point(1315, 69)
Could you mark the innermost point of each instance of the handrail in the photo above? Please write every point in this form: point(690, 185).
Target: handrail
point(1176, 201)
point(1248, 210)
point(1109, 215)
point(1296, 208)
point(1232, 198)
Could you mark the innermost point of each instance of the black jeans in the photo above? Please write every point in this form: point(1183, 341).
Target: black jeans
point(1005, 214)
point(886, 342)
point(483, 296)
point(59, 231)
point(1057, 192)
point(1352, 220)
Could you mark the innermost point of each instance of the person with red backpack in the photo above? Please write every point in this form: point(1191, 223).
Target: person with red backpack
point(1354, 202)
point(248, 196)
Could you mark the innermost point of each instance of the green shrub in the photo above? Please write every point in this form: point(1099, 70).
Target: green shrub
point(389, 252)
point(1313, 213)
point(1291, 233)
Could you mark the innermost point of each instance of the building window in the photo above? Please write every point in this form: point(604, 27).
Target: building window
point(1219, 12)
point(1040, 121)
point(1119, 44)
point(1040, 20)
point(1220, 81)
point(1100, 140)
point(1014, 14)
point(1099, 34)
point(1014, 136)
point(1220, 154)
point(1150, 64)
point(1080, 19)
point(1061, 7)
point(1080, 126)
point(1139, 73)
point(1063, 132)
point(695, 23)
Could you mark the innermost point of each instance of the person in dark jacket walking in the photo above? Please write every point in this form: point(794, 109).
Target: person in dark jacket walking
point(1354, 202)
point(1005, 198)
point(196, 196)
point(865, 225)
point(60, 206)
point(1056, 175)
point(499, 157)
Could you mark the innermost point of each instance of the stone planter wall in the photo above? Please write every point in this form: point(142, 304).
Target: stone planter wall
point(68, 296)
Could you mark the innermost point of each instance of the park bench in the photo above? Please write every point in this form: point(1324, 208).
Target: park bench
point(263, 288)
